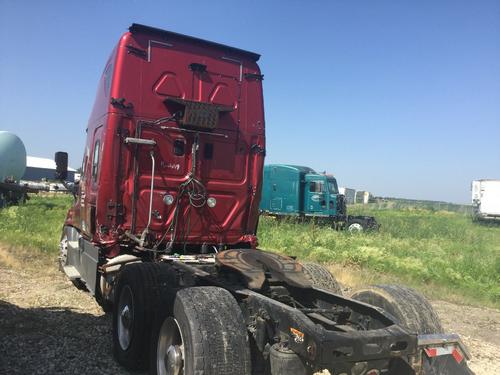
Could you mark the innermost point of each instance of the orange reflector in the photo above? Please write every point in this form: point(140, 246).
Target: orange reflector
point(298, 336)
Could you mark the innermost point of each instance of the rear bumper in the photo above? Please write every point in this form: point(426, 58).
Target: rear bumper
point(443, 354)
point(374, 350)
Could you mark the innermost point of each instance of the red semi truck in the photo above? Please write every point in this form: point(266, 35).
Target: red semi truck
point(163, 233)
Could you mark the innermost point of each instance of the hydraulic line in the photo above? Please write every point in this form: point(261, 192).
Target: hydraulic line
point(138, 133)
point(151, 192)
point(152, 187)
point(196, 193)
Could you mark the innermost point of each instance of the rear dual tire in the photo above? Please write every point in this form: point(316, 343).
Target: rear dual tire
point(413, 312)
point(410, 308)
point(133, 313)
point(205, 335)
point(320, 277)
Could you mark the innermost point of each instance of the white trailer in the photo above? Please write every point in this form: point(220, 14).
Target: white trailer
point(349, 194)
point(363, 197)
point(486, 199)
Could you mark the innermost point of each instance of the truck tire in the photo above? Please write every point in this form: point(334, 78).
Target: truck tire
point(414, 312)
point(133, 312)
point(410, 308)
point(321, 278)
point(206, 335)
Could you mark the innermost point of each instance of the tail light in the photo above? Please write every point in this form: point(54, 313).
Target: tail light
point(447, 350)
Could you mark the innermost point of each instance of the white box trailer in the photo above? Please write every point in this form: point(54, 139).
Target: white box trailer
point(363, 197)
point(486, 199)
point(349, 194)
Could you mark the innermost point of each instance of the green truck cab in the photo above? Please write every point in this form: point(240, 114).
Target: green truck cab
point(291, 190)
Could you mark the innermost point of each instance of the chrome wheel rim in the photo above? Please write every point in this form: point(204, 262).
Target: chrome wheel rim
point(170, 349)
point(355, 227)
point(125, 317)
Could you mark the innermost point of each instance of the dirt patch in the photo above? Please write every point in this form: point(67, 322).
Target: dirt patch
point(47, 326)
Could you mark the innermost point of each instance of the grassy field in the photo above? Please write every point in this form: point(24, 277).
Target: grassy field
point(36, 224)
point(441, 252)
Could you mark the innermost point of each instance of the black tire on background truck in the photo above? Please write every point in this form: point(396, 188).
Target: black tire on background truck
point(321, 278)
point(206, 335)
point(133, 312)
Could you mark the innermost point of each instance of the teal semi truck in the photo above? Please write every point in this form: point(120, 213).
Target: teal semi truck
point(296, 191)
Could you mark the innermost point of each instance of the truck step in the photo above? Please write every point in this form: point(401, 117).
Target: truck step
point(71, 272)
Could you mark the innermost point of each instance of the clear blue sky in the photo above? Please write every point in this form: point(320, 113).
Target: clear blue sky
point(401, 98)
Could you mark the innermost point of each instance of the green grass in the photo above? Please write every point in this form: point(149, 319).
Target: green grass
point(36, 224)
point(426, 248)
point(422, 247)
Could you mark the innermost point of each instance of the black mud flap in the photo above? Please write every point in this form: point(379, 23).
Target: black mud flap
point(445, 365)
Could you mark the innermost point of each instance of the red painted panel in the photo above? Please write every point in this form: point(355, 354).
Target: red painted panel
point(145, 70)
point(169, 85)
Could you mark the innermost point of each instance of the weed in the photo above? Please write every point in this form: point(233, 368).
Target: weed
point(426, 248)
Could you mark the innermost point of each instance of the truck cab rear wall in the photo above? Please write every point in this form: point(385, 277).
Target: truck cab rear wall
point(147, 67)
point(227, 80)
